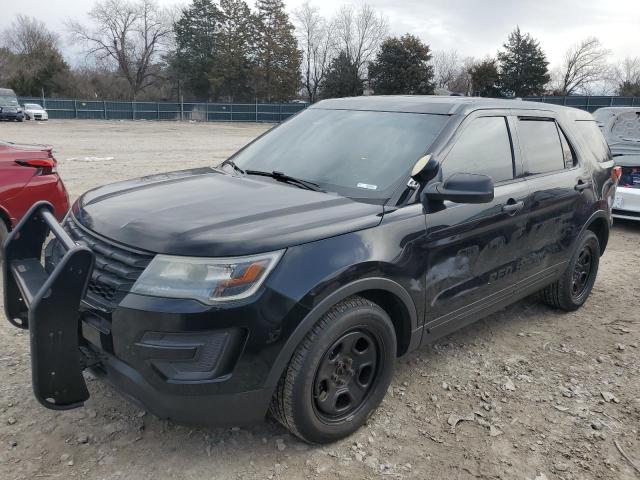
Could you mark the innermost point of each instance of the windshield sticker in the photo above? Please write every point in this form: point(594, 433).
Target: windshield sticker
point(367, 186)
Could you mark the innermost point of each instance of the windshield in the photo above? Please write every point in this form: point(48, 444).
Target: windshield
point(359, 154)
point(32, 106)
point(8, 101)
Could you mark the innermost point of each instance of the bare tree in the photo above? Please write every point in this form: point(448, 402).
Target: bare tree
point(584, 64)
point(625, 77)
point(462, 82)
point(129, 34)
point(28, 35)
point(359, 34)
point(446, 67)
point(314, 37)
point(627, 71)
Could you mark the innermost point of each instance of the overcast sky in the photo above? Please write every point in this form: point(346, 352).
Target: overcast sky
point(472, 27)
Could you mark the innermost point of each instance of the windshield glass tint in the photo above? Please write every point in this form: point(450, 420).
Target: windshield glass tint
point(33, 106)
point(8, 100)
point(354, 153)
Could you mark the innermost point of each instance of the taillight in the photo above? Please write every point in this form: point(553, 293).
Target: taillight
point(616, 173)
point(46, 165)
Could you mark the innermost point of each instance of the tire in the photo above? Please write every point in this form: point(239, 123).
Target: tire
point(572, 289)
point(3, 235)
point(339, 373)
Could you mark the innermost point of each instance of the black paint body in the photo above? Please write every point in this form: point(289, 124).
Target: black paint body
point(434, 268)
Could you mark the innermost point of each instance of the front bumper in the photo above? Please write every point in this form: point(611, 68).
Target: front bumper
point(627, 203)
point(11, 115)
point(178, 359)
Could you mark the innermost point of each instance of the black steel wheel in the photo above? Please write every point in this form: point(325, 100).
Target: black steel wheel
point(339, 373)
point(346, 375)
point(582, 271)
point(574, 286)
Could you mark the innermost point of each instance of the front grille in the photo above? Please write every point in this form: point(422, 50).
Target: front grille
point(116, 268)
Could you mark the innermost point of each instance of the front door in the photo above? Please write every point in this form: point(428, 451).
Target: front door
point(474, 250)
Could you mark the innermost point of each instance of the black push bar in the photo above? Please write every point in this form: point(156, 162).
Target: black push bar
point(48, 305)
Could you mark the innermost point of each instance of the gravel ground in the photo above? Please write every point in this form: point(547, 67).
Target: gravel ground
point(529, 393)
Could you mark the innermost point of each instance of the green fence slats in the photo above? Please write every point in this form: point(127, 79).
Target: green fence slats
point(589, 103)
point(65, 108)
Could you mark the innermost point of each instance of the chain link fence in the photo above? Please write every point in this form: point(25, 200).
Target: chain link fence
point(186, 111)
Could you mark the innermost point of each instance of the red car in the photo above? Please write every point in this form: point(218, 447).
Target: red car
point(27, 174)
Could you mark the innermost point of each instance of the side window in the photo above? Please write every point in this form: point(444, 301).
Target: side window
point(541, 147)
point(592, 135)
point(484, 147)
point(570, 159)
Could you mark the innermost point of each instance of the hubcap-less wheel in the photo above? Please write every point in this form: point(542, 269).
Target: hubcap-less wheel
point(582, 271)
point(345, 375)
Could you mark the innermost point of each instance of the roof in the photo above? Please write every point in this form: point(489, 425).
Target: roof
point(437, 104)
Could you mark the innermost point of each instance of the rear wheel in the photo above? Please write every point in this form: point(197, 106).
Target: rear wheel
point(573, 288)
point(339, 373)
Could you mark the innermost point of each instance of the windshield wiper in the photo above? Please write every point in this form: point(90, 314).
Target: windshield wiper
point(234, 166)
point(282, 177)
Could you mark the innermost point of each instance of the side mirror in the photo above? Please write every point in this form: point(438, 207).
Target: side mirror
point(462, 188)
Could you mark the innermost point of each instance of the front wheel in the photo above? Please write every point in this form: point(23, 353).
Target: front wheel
point(339, 373)
point(573, 288)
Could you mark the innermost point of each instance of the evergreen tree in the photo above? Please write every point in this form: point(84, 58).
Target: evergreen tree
point(231, 75)
point(523, 66)
point(196, 33)
point(485, 79)
point(342, 79)
point(278, 58)
point(402, 67)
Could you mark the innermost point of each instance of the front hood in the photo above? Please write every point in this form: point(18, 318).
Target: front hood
point(206, 213)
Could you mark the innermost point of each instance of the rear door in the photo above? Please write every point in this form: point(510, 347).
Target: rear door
point(559, 203)
point(473, 250)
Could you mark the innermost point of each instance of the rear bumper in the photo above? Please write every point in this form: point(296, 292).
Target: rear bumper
point(627, 204)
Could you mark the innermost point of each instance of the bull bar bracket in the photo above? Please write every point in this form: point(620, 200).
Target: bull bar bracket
point(48, 305)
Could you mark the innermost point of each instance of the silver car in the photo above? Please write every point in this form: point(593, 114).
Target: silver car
point(621, 129)
point(33, 111)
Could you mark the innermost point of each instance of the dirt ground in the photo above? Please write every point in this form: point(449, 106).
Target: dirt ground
point(529, 393)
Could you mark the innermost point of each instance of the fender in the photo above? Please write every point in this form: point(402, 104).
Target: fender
point(375, 283)
point(595, 216)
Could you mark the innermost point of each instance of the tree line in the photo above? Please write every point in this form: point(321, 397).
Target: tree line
point(228, 50)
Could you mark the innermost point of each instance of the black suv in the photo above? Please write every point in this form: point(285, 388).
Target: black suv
point(290, 278)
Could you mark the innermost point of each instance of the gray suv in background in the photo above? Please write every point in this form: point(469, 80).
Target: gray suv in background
point(9, 107)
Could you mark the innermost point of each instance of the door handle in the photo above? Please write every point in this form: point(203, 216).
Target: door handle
point(581, 185)
point(512, 206)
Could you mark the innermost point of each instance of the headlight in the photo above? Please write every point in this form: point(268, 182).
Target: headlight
point(208, 280)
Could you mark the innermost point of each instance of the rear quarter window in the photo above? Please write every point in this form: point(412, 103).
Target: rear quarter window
point(592, 136)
